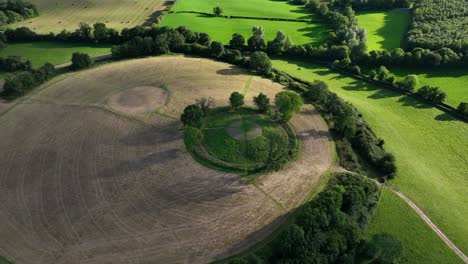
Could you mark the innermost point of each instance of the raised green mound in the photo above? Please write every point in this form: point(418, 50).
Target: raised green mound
point(245, 141)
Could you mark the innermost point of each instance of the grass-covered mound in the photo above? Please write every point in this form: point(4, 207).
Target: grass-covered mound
point(245, 141)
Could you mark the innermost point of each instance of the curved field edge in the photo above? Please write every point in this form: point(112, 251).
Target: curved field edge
point(420, 243)
point(430, 146)
point(83, 94)
point(52, 51)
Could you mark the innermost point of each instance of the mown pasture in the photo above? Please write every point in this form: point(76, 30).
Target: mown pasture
point(221, 29)
point(49, 51)
point(252, 8)
point(385, 29)
point(453, 81)
point(56, 16)
point(430, 146)
point(420, 244)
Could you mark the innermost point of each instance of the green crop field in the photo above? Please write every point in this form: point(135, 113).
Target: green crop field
point(67, 14)
point(54, 52)
point(385, 29)
point(431, 147)
point(397, 218)
point(252, 8)
point(221, 29)
point(453, 81)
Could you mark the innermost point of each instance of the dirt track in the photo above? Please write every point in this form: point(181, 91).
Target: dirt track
point(83, 184)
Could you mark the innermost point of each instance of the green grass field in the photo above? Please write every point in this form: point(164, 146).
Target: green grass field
point(430, 146)
point(385, 29)
point(453, 81)
point(54, 52)
point(253, 8)
point(67, 14)
point(221, 29)
point(420, 244)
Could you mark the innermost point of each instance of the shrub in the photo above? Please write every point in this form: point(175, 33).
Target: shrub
point(288, 102)
point(192, 116)
point(262, 102)
point(192, 137)
point(237, 41)
point(236, 100)
point(260, 62)
point(81, 61)
point(463, 108)
point(433, 94)
point(217, 11)
point(217, 49)
point(408, 83)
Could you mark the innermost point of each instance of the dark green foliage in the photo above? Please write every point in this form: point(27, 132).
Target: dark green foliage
point(262, 102)
point(22, 82)
point(408, 83)
point(288, 103)
point(280, 44)
point(236, 100)
point(13, 11)
point(81, 61)
point(256, 43)
point(192, 137)
point(260, 62)
point(237, 42)
point(217, 49)
point(433, 94)
point(329, 228)
point(439, 24)
point(373, 4)
point(217, 11)
point(463, 108)
point(192, 116)
point(13, 63)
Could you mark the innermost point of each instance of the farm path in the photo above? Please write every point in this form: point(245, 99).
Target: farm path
point(428, 221)
point(82, 184)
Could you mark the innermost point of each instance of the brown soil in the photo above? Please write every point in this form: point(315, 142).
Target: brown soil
point(138, 100)
point(82, 184)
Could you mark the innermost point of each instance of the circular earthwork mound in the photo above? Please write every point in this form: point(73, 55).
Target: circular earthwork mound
point(138, 100)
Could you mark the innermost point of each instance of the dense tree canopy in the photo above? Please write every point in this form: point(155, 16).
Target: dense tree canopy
point(288, 103)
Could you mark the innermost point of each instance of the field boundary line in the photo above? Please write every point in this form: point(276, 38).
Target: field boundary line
point(245, 17)
point(247, 85)
point(428, 221)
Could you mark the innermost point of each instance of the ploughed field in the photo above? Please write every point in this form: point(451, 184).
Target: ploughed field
point(56, 16)
point(95, 172)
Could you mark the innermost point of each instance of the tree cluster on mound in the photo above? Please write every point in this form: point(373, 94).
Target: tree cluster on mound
point(329, 229)
point(13, 11)
point(439, 24)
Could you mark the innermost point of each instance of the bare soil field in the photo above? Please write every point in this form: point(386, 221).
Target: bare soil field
point(84, 183)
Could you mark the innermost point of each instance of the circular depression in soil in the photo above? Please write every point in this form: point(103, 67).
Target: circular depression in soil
point(81, 184)
point(138, 100)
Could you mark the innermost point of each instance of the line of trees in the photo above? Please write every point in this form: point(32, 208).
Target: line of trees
point(371, 4)
point(329, 229)
point(13, 11)
point(22, 82)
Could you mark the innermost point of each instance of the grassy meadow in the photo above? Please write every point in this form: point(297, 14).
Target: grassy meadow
point(54, 52)
point(454, 81)
point(430, 146)
point(67, 14)
point(221, 29)
point(385, 29)
point(252, 8)
point(420, 244)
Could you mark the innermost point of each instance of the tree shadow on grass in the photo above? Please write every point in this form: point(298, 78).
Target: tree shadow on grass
point(413, 102)
point(445, 117)
point(231, 70)
point(390, 30)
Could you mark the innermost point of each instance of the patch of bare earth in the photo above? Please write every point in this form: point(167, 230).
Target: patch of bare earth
point(81, 183)
point(138, 100)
